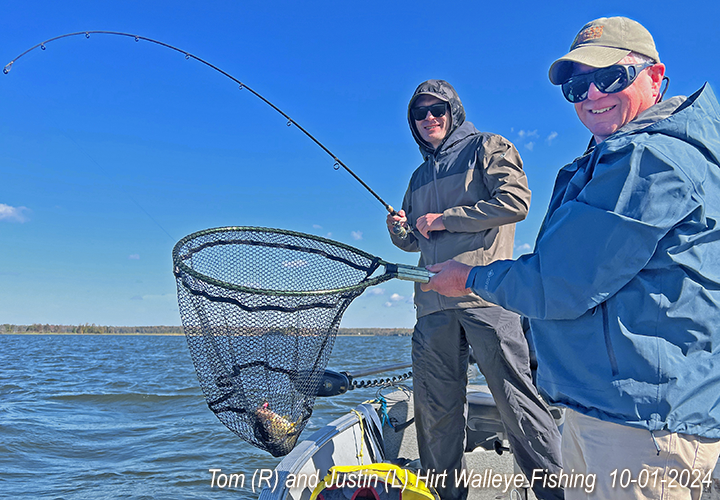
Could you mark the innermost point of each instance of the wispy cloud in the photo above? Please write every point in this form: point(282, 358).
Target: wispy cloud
point(376, 291)
point(356, 235)
point(134, 256)
point(13, 214)
point(552, 136)
point(527, 139)
point(394, 299)
point(522, 248)
point(318, 227)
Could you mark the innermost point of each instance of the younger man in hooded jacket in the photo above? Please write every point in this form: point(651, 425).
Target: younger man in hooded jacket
point(462, 203)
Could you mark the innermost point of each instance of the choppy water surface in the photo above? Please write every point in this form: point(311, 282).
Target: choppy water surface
point(105, 417)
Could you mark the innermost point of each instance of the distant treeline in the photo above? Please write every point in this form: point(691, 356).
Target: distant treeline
point(390, 332)
point(89, 328)
point(150, 330)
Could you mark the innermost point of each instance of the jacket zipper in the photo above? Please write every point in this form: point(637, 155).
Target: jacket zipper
point(608, 342)
point(433, 241)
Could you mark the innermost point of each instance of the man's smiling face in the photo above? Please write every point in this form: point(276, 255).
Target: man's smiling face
point(432, 129)
point(603, 114)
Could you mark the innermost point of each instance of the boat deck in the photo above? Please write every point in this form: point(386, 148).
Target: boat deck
point(479, 462)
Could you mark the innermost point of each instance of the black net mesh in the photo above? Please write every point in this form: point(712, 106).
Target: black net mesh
point(260, 310)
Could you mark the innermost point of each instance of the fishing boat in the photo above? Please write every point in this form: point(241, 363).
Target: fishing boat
point(383, 431)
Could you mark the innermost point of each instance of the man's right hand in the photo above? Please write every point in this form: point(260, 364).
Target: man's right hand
point(399, 217)
point(449, 279)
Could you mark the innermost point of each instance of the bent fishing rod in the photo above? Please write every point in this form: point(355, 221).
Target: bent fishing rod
point(188, 55)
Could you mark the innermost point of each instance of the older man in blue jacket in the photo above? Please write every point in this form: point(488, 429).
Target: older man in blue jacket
point(622, 289)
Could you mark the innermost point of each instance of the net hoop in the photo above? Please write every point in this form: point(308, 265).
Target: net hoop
point(181, 268)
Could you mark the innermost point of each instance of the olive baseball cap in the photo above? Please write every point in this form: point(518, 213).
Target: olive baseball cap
point(603, 42)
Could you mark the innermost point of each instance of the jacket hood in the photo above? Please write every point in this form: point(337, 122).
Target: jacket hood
point(445, 92)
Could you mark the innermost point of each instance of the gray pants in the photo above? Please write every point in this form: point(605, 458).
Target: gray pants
point(440, 360)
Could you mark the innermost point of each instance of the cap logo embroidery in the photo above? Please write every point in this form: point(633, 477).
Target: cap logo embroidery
point(590, 33)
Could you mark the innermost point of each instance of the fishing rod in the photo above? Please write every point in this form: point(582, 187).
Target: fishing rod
point(188, 55)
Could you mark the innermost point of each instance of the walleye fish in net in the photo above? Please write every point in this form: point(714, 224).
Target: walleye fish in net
point(261, 309)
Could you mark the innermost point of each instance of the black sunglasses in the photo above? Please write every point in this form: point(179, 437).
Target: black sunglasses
point(607, 80)
point(420, 112)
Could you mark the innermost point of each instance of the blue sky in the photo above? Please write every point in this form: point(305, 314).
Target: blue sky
point(112, 150)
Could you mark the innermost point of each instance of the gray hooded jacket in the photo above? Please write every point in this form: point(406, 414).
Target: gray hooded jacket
point(476, 181)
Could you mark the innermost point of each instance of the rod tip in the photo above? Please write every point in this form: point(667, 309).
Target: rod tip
point(8, 67)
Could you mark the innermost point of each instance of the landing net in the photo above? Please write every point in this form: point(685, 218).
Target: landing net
point(260, 309)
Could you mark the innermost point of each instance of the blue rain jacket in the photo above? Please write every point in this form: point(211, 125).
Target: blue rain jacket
point(623, 287)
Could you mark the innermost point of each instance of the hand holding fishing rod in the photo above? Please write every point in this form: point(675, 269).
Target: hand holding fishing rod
point(397, 223)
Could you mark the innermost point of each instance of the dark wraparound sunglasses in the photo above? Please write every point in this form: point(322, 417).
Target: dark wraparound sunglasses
point(437, 110)
point(607, 80)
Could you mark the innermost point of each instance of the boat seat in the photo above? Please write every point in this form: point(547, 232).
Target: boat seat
point(483, 413)
point(484, 425)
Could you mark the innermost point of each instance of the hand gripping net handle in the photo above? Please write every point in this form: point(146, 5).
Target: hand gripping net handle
point(261, 308)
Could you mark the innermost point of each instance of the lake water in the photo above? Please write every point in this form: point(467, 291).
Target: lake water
point(120, 416)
